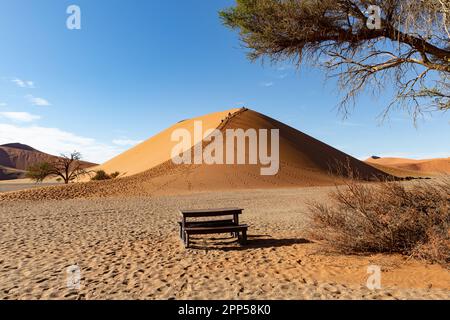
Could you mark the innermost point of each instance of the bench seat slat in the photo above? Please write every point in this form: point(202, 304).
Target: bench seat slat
point(212, 230)
point(207, 223)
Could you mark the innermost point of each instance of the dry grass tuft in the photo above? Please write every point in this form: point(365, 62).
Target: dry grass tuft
point(389, 217)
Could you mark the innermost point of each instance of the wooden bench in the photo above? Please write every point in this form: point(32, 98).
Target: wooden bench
point(232, 226)
point(241, 229)
point(211, 223)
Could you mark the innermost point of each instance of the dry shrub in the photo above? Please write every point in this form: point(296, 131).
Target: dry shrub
point(388, 217)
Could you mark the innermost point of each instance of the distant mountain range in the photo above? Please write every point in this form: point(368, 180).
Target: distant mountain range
point(16, 158)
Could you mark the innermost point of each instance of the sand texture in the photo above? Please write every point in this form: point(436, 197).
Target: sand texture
point(128, 248)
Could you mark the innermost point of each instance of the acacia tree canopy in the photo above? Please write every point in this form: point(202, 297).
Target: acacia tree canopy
point(409, 52)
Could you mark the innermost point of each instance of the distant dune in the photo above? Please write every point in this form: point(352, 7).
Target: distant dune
point(413, 167)
point(149, 170)
point(7, 173)
point(16, 158)
point(304, 159)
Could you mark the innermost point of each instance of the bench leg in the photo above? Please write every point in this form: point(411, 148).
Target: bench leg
point(186, 239)
point(243, 238)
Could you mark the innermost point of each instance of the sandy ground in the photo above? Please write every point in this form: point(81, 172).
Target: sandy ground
point(23, 184)
point(128, 248)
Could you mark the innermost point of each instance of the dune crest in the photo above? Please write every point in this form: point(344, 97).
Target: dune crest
point(157, 149)
point(297, 150)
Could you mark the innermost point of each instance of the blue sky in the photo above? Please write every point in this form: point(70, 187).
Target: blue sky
point(137, 66)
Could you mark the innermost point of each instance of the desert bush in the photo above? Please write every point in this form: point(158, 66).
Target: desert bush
point(388, 217)
point(114, 174)
point(102, 175)
point(39, 171)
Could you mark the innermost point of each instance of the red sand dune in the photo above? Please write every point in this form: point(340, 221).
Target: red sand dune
point(157, 149)
point(20, 156)
point(16, 158)
point(304, 161)
point(7, 173)
point(429, 166)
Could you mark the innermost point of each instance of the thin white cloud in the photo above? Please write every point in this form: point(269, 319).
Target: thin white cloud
point(268, 84)
point(126, 142)
point(19, 116)
point(3, 104)
point(41, 102)
point(285, 67)
point(56, 141)
point(23, 83)
point(349, 124)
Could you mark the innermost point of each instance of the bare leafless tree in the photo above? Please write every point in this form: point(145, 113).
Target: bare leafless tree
point(409, 51)
point(67, 167)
